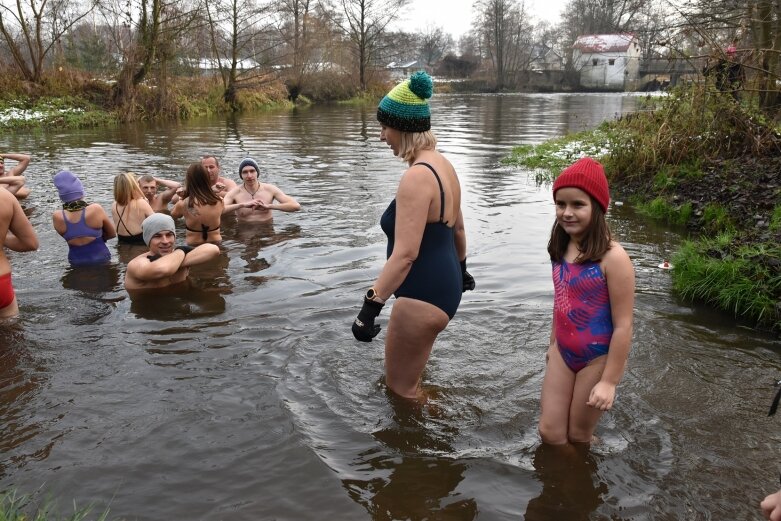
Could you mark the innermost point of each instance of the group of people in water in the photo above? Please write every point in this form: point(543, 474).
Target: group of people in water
point(426, 270)
point(140, 214)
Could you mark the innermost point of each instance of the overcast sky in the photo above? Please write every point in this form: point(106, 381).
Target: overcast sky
point(455, 16)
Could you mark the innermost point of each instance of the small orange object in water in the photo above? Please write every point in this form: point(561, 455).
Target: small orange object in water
point(665, 265)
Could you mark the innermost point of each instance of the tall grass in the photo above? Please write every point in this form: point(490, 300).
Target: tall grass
point(744, 279)
point(15, 507)
point(695, 124)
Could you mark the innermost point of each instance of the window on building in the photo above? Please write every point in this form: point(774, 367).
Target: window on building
point(594, 61)
point(611, 61)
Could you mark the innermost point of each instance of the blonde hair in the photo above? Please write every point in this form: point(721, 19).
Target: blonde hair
point(410, 143)
point(126, 188)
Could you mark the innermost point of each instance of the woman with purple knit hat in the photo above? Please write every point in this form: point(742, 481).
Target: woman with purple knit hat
point(86, 227)
point(426, 266)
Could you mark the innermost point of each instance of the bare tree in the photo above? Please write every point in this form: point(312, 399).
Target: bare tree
point(33, 28)
point(240, 33)
point(364, 22)
point(506, 29)
point(296, 31)
point(435, 43)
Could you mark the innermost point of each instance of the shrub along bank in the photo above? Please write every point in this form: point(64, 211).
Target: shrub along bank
point(700, 159)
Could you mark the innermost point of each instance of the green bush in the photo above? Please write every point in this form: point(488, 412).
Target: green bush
point(742, 279)
point(692, 124)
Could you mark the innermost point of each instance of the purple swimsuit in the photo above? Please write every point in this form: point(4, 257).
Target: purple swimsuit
point(94, 252)
point(581, 311)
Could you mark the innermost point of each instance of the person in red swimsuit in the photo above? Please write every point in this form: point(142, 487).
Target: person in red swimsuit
point(17, 234)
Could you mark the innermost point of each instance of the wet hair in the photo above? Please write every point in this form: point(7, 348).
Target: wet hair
point(126, 188)
point(594, 244)
point(146, 179)
point(410, 143)
point(197, 188)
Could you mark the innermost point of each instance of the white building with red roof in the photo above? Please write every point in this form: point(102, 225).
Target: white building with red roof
point(607, 61)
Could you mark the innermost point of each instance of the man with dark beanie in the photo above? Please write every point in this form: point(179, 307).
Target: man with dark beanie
point(269, 197)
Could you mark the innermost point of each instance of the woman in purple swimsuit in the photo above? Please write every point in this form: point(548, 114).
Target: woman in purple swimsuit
point(594, 287)
point(86, 227)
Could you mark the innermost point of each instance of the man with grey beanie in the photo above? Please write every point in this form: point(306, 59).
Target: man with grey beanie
point(268, 196)
point(165, 264)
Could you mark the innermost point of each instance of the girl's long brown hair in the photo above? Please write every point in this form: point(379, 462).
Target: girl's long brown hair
point(197, 187)
point(595, 243)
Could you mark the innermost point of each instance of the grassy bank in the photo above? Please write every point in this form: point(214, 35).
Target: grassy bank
point(19, 507)
point(68, 99)
point(699, 159)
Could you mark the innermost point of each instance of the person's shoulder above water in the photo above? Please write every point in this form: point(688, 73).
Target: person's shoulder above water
point(165, 264)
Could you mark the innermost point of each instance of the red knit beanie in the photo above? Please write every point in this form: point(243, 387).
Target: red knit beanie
point(589, 176)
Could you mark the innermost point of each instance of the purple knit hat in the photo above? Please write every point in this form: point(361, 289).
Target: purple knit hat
point(69, 186)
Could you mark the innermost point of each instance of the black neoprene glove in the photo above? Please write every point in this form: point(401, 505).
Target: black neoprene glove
point(469, 280)
point(153, 258)
point(364, 328)
point(186, 249)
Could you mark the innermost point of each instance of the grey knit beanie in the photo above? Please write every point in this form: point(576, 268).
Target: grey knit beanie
point(156, 223)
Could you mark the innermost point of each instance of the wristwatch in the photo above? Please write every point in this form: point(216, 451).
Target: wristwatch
point(373, 295)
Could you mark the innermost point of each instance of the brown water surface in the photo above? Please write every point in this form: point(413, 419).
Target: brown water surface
point(248, 398)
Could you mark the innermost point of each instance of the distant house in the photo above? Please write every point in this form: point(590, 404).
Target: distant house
point(607, 61)
point(399, 71)
point(544, 58)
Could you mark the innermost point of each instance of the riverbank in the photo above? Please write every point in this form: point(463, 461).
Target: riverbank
point(68, 99)
point(700, 161)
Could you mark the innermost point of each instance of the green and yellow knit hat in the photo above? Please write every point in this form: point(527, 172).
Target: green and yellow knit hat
point(405, 107)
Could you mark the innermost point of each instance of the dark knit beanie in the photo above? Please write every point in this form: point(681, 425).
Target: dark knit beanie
point(69, 186)
point(248, 162)
point(405, 107)
point(588, 175)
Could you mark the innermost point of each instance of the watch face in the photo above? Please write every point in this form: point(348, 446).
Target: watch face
point(371, 294)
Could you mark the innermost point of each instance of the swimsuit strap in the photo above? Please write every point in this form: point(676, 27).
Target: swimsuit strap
point(120, 214)
point(441, 191)
point(204, 230)
point(83, 216)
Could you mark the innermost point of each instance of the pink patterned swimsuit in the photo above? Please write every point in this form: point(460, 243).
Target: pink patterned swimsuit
point(581, 313)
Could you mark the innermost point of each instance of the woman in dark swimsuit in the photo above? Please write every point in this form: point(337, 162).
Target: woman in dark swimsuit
point(202, 208)
point(129, 209)
point(426, 266)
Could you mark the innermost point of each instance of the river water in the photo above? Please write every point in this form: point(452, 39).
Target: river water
point(248, 398)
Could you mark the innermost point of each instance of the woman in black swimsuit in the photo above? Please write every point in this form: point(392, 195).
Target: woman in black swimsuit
point(129, 209)
point(200, 207)
point(426, 266)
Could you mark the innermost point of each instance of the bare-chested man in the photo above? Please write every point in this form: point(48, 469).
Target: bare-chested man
point(165, 264)
point(269, 197)
point(220, 185)
point(158, 201)
point(17, 187)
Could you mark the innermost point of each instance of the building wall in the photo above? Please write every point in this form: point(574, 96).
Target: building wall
point(617, 71)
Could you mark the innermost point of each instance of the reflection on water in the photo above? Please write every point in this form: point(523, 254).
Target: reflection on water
point(570, 487)
point(246, 397)
point(182, 302)
point(92, 279)
point(416, 485)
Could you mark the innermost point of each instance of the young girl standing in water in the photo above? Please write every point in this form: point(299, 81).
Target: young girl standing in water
point(594, 285)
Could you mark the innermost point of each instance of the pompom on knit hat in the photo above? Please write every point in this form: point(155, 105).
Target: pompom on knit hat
point(405, 107)
point(248, 162)
point(156, 223)
point(69, 186)
point(588, 175)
